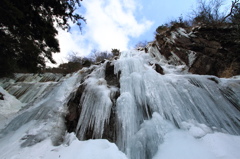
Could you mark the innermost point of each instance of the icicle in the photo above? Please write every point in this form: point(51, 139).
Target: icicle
point(177, 98)
point(95, 106)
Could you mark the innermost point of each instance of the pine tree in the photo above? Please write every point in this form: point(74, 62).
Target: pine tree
point(27, 32)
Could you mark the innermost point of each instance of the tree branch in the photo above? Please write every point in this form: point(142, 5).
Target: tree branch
point(231, 11)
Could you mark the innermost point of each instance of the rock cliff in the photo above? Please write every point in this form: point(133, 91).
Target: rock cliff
point(205, 50)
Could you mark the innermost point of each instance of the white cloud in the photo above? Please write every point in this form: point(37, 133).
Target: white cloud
point(110, 24)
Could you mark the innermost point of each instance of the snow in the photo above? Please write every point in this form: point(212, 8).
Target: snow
point(179, 144)
point(222, 145)
point(90, 149)
point(173, 144)
point(175, 34)
point(183, 32)
point(154, 52)
point(72, 148)
point(191, 58)
point(175, 59)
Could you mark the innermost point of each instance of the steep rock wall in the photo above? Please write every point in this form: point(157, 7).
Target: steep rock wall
point(205, 50)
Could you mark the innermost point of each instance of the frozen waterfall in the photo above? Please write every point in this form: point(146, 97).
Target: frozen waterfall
point(125, 101)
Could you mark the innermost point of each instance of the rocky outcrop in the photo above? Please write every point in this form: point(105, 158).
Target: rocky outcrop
point(1, 96)
point(205, 50)
point(74, 109)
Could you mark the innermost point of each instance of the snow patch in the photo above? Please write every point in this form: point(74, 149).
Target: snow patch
point(10, 104)
point(191, 58)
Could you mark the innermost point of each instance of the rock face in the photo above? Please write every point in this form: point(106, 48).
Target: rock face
point(205, 50)
point(74, 110)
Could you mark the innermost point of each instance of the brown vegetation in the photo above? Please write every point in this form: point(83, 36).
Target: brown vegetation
point(76, 63)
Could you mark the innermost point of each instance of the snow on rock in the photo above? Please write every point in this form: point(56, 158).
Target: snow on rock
point(8, 107)
point(178, 33)
point(183, 32)
point(9, 104)
point(191, 57)
point(195, 129)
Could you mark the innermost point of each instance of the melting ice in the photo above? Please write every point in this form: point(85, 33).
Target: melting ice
point(146, 114)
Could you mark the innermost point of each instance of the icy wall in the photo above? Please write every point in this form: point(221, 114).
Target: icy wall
point(137, 118)
point(127, 101)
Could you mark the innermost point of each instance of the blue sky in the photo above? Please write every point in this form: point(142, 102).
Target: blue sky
point(161, 12)
point(119, 24)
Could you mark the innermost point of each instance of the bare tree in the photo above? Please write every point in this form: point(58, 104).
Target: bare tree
point(72, 57)
point(208, 12)
point(234, 6)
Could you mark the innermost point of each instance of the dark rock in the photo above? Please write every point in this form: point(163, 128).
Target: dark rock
point(205, 65)
point(74, 109)
point(166, 51)
point(182, 54)
point(183, 41)
point(146, 50)
point(110, 128)
point(214, 80)
point(111, 78)
point(159, 69)
point(1, 96)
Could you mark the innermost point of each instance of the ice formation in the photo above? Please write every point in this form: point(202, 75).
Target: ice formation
point(146, 114)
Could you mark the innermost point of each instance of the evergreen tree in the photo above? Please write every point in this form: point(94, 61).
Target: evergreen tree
point(27, 32)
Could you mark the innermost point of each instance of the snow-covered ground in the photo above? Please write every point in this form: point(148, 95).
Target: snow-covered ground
point(72, 148)
point(33, 127)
